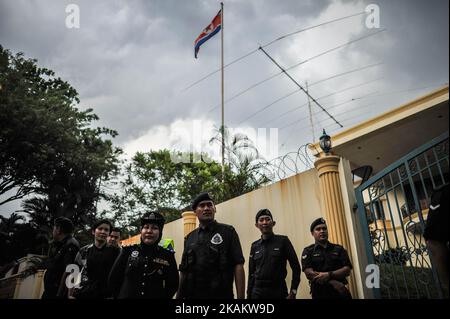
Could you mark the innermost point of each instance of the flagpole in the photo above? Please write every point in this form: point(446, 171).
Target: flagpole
point(222, 97)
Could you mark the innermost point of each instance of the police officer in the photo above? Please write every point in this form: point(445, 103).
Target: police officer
point(146, 270)
point(212, 257)
point(326, 265)
point(267, 263)
point(95, 261)
point(436, 233)
point(62, 253)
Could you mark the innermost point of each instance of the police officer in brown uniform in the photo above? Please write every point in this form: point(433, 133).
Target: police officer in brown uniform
point(326, 265)
point(146, 270)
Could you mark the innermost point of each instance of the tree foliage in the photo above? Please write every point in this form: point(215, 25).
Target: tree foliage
point(155, 181)
point(50, 150)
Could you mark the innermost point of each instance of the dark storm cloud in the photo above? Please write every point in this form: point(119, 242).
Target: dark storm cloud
point(130, 60)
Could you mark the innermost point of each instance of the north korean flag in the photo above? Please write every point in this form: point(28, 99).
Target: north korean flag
point(208, 32)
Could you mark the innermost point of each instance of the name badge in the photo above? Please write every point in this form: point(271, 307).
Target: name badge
point(161, 261)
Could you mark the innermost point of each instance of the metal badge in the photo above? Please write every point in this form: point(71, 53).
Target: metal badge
point(135, 253)
point(216, 239)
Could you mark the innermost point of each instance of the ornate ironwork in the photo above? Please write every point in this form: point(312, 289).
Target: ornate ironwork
point(395, 238)
point(403, 173)
point(413, 166)
point(442, 149)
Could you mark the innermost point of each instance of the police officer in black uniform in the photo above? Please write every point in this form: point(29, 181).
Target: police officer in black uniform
point(62, 253)
point(95, 261)
point(436, 234)
point(326, 265)
point(212, 257)
point(267, 263)
point(146, 270)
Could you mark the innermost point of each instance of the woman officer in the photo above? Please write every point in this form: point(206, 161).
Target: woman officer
point(145, 270)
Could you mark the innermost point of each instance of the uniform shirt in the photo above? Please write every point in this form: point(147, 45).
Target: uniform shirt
point(437, 221)
point(320, 259)
point(267, 267)
point(61, 254)
point(209, 258)
point(95, 264)
point(144, 271)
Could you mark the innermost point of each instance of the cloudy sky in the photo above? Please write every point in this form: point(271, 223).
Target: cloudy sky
point(133, 60)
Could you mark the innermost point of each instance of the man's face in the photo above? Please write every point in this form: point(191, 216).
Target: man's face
point(265, 225)
point(205, 211)
point(150, 234)
point(114, 239)
point(56, 233)
point(320, 233)
point(101, 233)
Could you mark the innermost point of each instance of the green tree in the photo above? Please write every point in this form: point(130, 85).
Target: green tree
point(19, 238)
point(245, 170)
point(155, 181)
point(48, 147)
point(43, 135)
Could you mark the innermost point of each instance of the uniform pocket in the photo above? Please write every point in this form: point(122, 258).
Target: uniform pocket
point(276, 259)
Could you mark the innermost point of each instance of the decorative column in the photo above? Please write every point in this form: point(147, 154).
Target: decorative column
point(328, 169)
point(189, 222)
point(17, 288)
point(38, 279)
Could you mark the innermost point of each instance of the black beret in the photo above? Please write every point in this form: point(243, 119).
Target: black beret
point(153, 218)
point(200, 198)
point(318, 221)
point(263, 212)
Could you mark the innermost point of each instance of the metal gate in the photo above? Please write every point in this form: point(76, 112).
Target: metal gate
point(393, 207)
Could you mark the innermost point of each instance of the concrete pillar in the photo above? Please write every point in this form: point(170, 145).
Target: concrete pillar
point(328, 170)
point(189, 222)
point(17, 289)
point(38, 280)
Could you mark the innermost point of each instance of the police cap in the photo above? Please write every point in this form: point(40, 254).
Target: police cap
point(318, 221)
point(263, 212)
point(200, 198)
point(153, 218)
